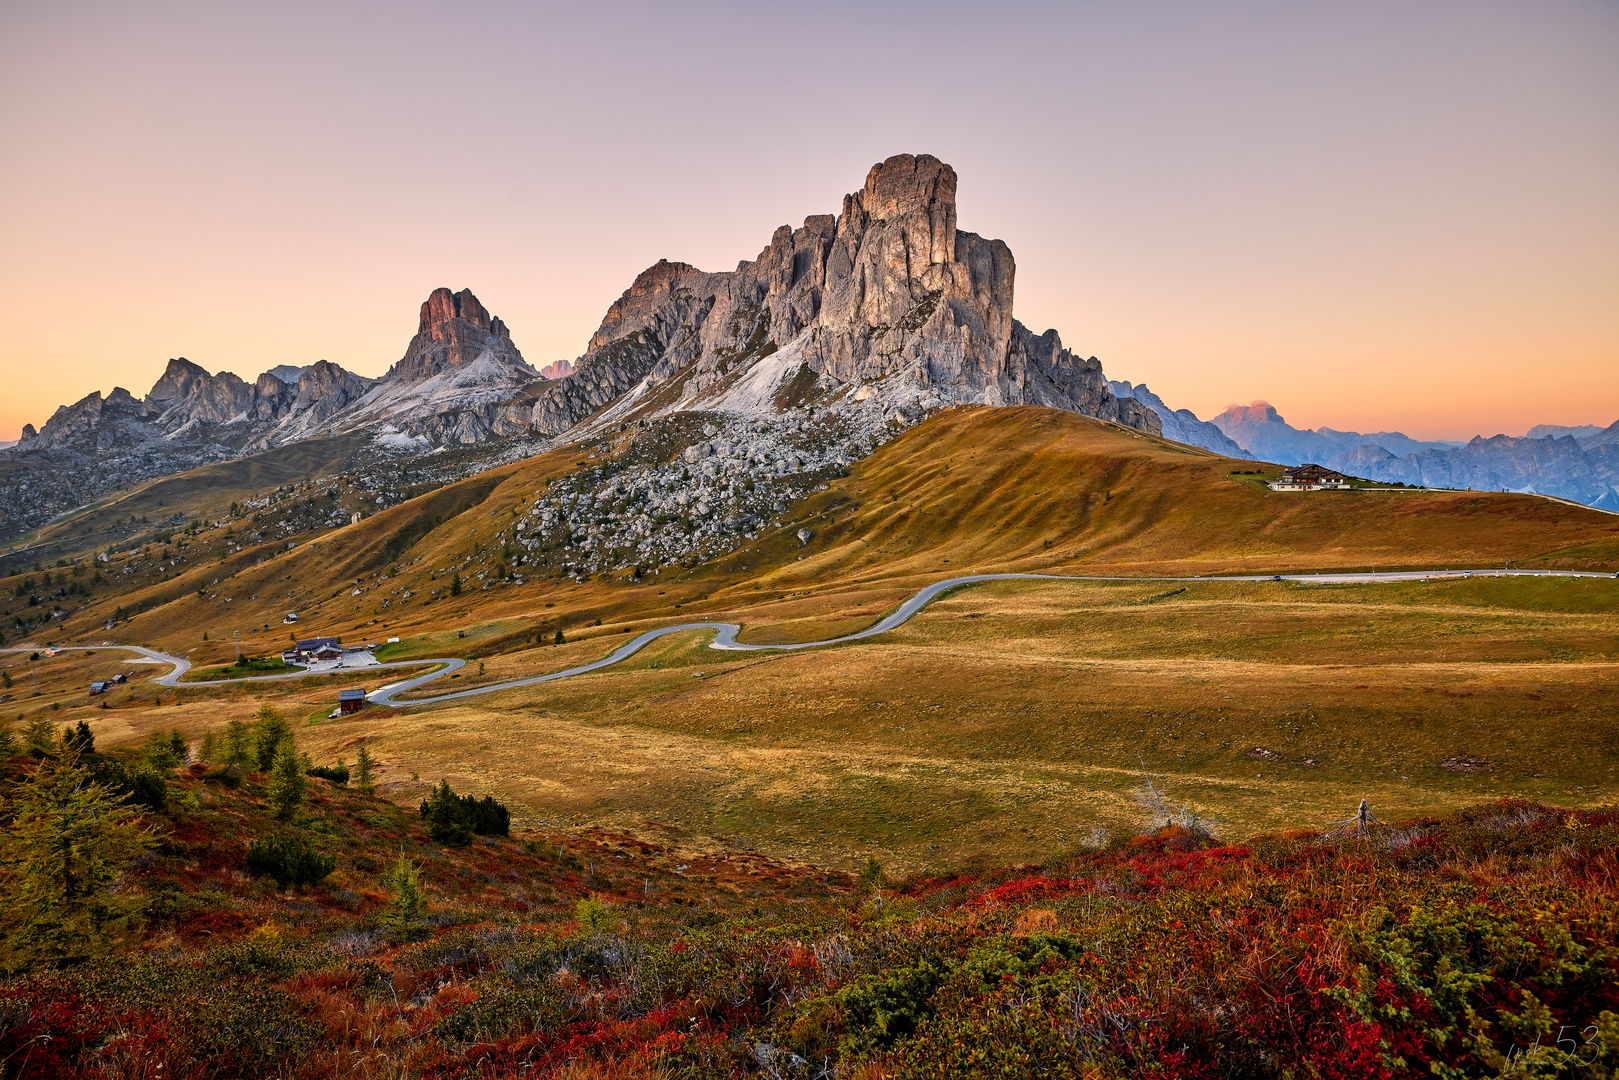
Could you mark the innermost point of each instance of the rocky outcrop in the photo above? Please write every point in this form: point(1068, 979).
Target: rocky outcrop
point(889, 288)
point(559, 369)
point(302, 409)
point(93, 423)
point(1181, 425)
point(186, 394)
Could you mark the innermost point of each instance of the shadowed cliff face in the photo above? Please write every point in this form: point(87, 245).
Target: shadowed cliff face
point(889, 287)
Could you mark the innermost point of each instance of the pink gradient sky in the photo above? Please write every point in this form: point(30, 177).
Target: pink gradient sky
point(1375, 215)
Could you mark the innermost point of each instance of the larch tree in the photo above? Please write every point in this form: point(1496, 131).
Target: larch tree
point(288, 784)
point(67, 840)
point(362, 772)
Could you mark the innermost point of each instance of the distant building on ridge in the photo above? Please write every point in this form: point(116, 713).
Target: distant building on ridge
point(1310, 477)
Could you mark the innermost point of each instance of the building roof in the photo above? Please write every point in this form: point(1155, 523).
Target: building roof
point(355, 694)
point(1311, 471)
point(311, 644)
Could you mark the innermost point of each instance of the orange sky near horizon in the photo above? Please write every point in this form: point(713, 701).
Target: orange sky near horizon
point(1378, 216)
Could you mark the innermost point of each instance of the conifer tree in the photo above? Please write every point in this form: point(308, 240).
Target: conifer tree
point(40, 737)
point(288, 784)
point(9, 747)
point(160, 753)
point(446, 822)
point(409, 902)
point(68, 840)
point(80, 738)
point(455, 584)
point(209, 750)
point(362, 772)
point(269, 730)
point(238, 744)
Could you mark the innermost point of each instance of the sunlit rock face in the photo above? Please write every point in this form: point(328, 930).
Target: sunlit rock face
point(888, 289)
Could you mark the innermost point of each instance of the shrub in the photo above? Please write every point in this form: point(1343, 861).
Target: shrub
point(453, 819)
point(337, 774)
point(139, 784)
point(288, 860)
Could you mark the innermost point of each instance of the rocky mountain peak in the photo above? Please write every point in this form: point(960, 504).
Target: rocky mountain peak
point(1258, 412)
point(919, 190)
point(457, 372)
point(443, 307)
point(455, 330)
point(187, 392)
point(887, 291)
point(178, 378)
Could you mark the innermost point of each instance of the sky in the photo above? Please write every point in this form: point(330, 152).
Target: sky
point(1376, 215)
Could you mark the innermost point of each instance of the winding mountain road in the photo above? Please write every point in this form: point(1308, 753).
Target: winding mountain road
point(725, 633)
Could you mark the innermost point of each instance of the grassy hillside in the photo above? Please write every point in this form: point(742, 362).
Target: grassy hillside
point(1462, 945)
point(204, 492)
point(1003, 723)
point(972, 489)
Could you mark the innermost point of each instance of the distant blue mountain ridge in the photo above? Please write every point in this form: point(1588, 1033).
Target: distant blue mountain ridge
point(1578, 463)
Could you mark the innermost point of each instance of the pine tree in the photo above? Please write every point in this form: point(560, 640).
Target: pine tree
point(209, 750)
point(362, 772)
point(269, 731)
point(9, 747)
point(288, 784)
point(409, 902)
point(69, 838)
point(455, 584)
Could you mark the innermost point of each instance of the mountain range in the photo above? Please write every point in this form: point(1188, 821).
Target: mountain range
point(1580, 464)
point(886, 309)
point(879, 314)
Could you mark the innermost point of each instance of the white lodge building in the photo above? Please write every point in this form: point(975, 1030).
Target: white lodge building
point(1310, 477)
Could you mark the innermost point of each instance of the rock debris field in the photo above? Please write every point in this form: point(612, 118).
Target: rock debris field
point(693, 486)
